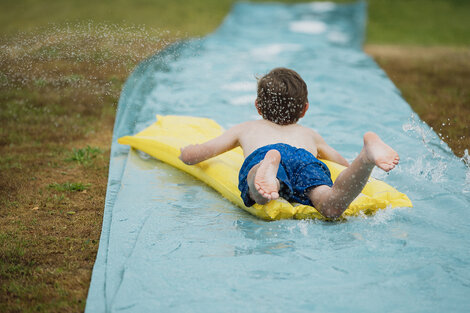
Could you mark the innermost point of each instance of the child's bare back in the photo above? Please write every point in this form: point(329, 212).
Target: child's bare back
point(281, 157)
point(256, 134)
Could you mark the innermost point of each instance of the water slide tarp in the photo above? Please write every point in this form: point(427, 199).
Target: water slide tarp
point(169, 243)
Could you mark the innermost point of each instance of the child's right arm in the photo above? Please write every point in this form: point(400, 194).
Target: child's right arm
point(194, 154)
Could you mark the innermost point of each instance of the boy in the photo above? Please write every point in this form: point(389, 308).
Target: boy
point(281, 155)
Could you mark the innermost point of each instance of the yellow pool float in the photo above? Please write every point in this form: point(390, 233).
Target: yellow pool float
point(164, 138)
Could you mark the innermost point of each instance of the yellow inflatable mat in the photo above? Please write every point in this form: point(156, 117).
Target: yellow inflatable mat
point(164, 138)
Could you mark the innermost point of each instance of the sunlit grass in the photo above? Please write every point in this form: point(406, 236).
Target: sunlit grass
point(69, 186)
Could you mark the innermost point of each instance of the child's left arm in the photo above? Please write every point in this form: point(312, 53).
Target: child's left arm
point(194, 154)
point(328, 153)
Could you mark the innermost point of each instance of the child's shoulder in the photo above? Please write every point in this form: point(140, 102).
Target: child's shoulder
point(244, 127)
point(251, 123)
point(311, 133)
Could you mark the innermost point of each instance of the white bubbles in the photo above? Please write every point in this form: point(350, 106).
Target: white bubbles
point(322, 7)
point(383, 216)
point(337, 37)
point(267, 50)
point(302, 227)
point(243, 100)
point(240, 86)
point(273, 50)
point(308, 27)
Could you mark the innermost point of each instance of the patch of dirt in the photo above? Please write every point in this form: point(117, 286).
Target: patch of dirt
point(58, 92)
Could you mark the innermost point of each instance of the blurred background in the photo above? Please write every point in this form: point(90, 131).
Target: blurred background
point(421, 22)
point(62, 66)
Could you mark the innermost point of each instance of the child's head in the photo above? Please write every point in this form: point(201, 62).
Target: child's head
point(282, 96)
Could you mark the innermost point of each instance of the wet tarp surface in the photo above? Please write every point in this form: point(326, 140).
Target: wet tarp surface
point(171, 244)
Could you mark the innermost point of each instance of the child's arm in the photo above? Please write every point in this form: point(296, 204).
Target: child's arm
point(194, 154)
point(328, 153)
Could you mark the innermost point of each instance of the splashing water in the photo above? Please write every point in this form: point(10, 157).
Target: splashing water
point(77, 55)
point(435, 168)
point(64, 77)
point(466, 160)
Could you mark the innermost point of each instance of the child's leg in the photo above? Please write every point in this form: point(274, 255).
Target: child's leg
point(332, 202)
point(262, 181)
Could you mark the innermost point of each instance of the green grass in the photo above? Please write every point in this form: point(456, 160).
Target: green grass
point(423, 22)
point(84, 155)
point(68, 186)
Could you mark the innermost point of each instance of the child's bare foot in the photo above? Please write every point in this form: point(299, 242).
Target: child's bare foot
point(379, 153)
point(265, 181)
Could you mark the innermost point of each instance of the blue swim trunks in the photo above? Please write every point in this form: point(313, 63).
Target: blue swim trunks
point(298, 171)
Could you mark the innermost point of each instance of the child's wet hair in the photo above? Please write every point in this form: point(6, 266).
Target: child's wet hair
point(282, 96)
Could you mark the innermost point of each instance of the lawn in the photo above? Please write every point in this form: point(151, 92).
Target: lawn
point(62, 66)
